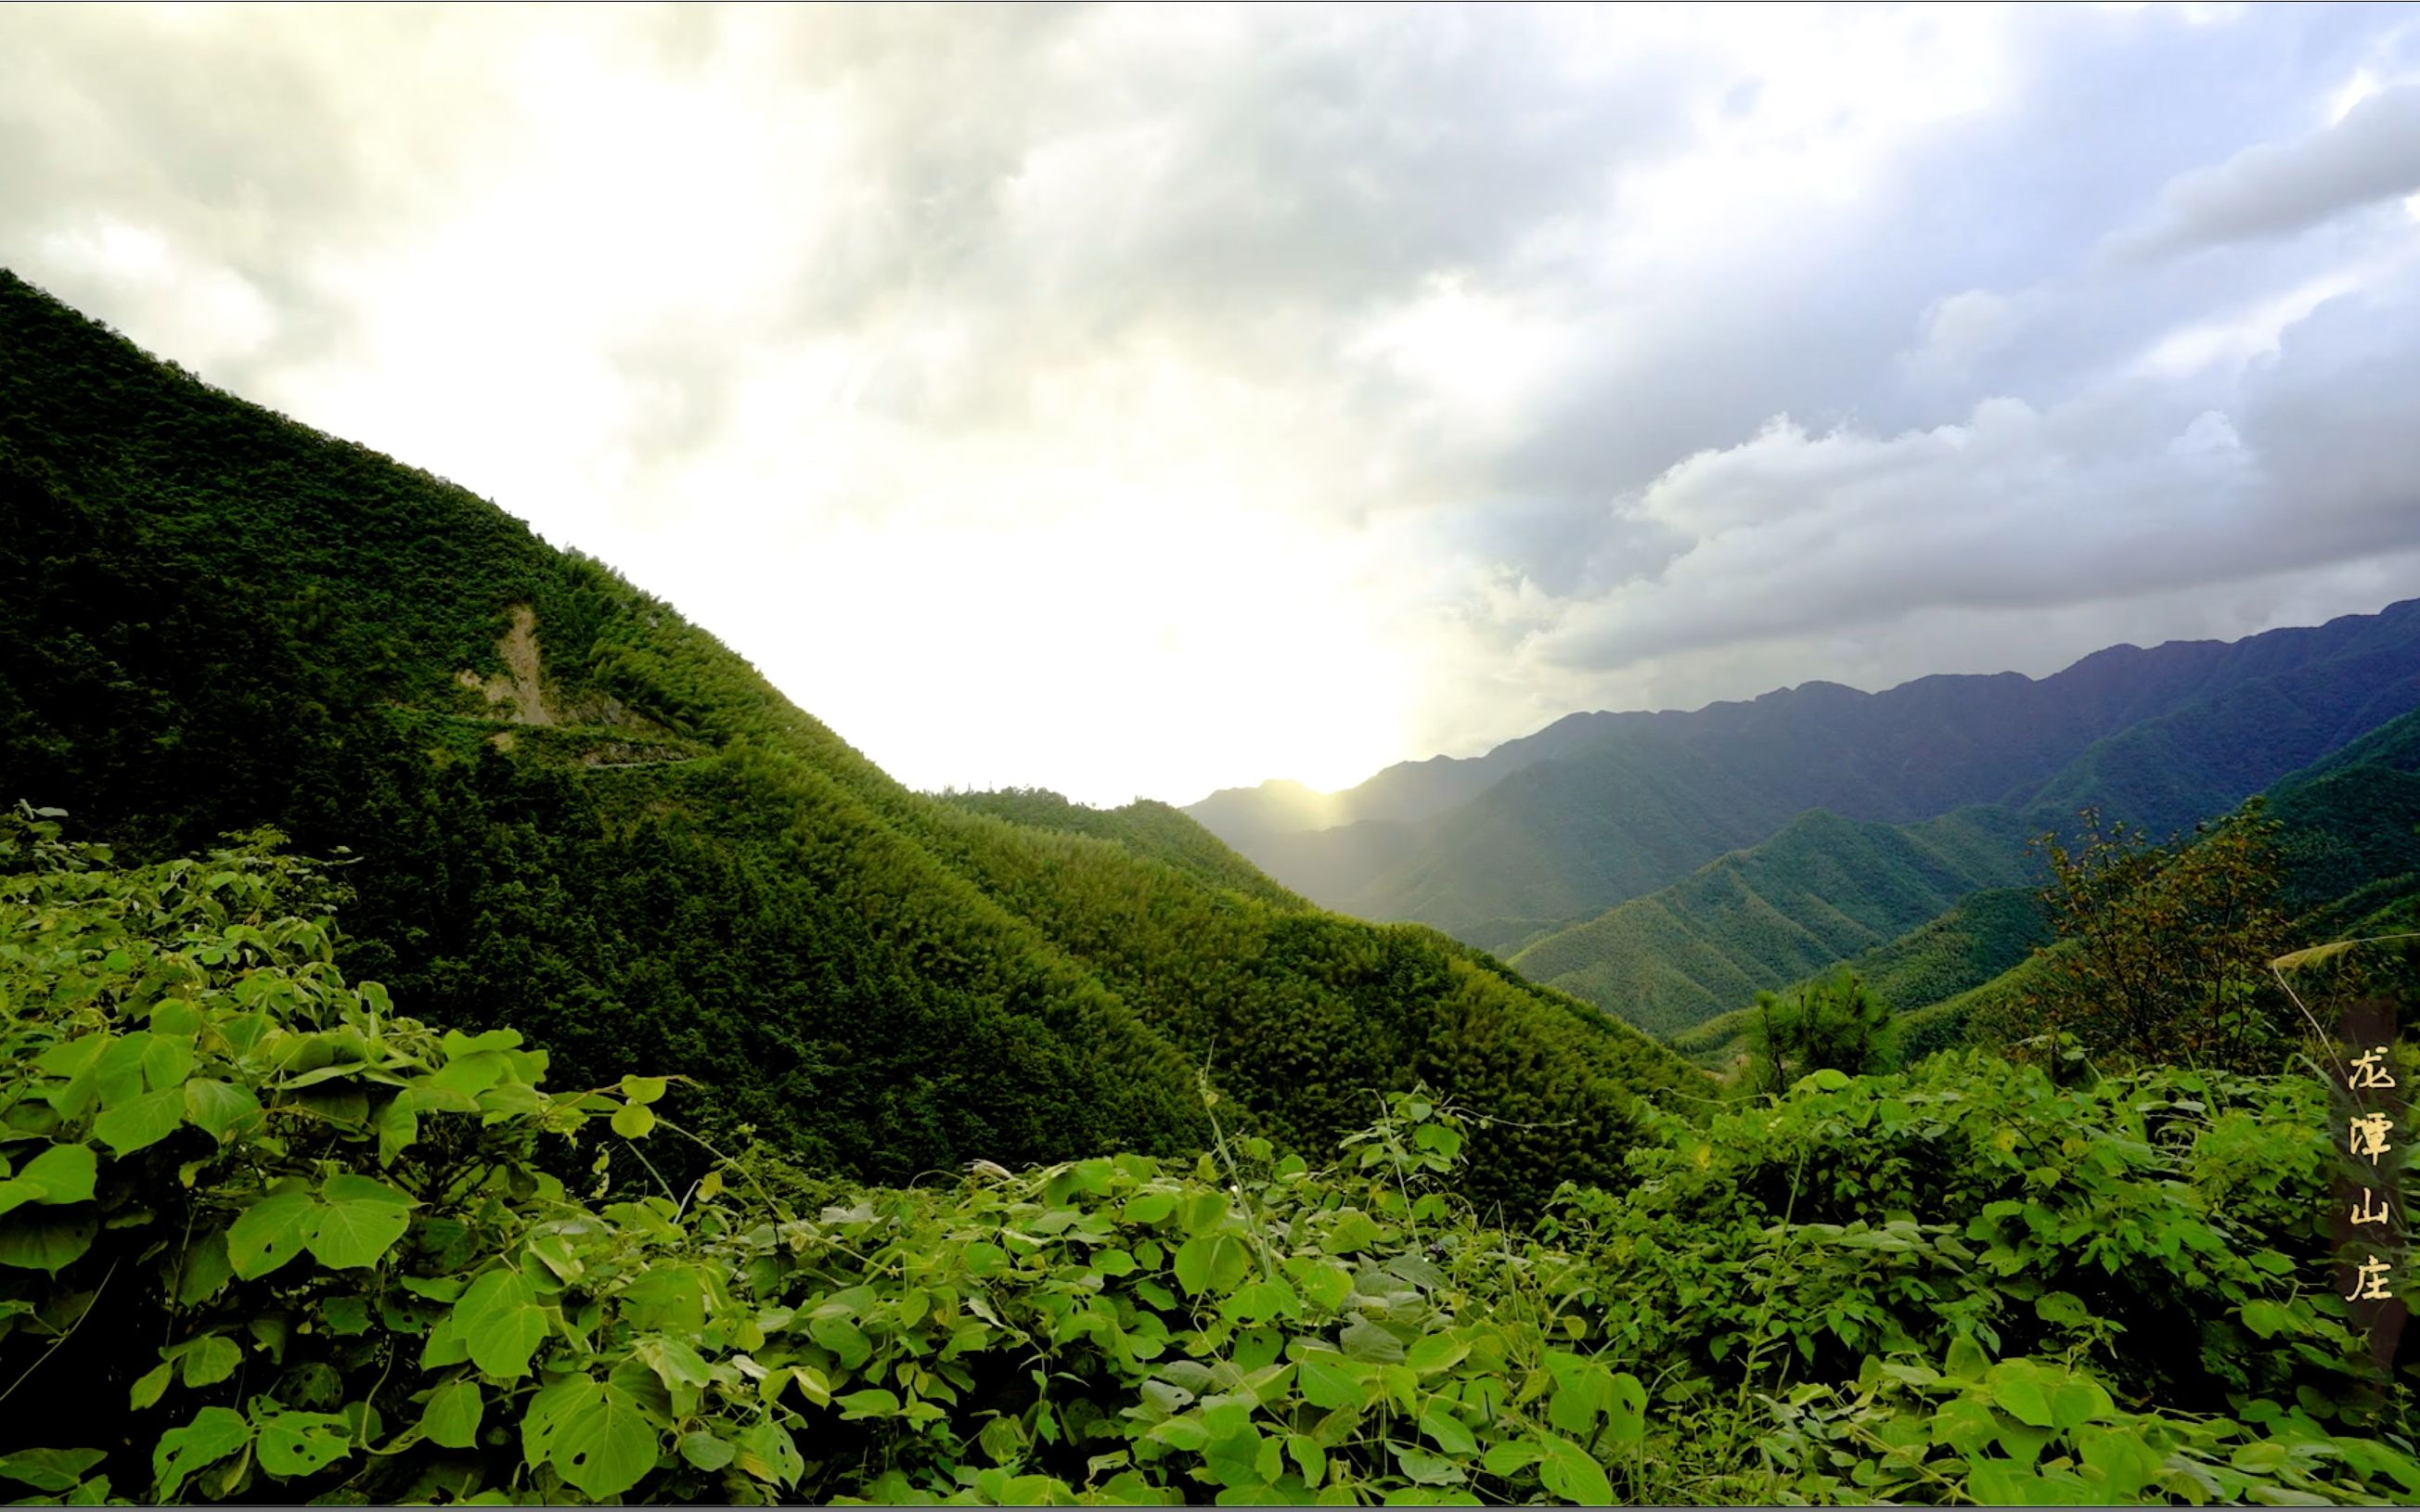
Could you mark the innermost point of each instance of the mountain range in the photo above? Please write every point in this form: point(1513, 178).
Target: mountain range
point(1666, 866)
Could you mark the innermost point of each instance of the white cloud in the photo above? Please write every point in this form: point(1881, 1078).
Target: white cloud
point(2369, 153)
point(1142, 399)
point(1959, 333)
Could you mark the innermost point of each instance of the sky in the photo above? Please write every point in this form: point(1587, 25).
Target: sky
point(1142, 401)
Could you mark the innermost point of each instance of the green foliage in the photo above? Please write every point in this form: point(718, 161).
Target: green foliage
point(353, 1275)
point(1835, 1025)
point(2167, 949)
point(1990, 934)
point(2148, 1256)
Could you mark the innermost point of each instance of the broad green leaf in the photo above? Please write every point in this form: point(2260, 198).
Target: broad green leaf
point(1582, 1389)
point(597, 1436)
point(1148, 1206)
point(667, 1297)
point(675, 1363)
point(142, 1121)
point(146, 1390)
point(1512, 1457)
point(1571, 1473)
point(397, 1125)
point(270, 1232)
point(1308, 1456)
point(1439, 1351)
point(1425, 1469)
point(1362, 1339)
point(2074, 1402)
point(873, 1402)
point(1211, 1263)
point(464, 1078)
point(346, 1316)
point(844, 1338)
point(770, 1444)
point(644, 1088)
point(214, 1433)
point(632, 1120)
point(1235, 1458)
point(1324, 1283)
point(2003, 1483)
point(2017, 1385)
point(117, 1075)
point(2120, 1460)
point(1353, 1230)
point(302, 1444)
point(458, 1045)
point(705, 1451)
point(1326, 1381)
point(206, 1268)
point(451, 1419)
point(1186, 1433)
point(220, 1109)
point(48, 1469)
point(1627, 1408)
point(1447, 1431)
point(64, 1173)
point(2267, 1319)
point(32, 1240)
point(1967, 1360)
point(539, 1416)
point(1205, 1211)
point(167, 1060)
point(359, 1220)
point(500, 1324)
point(1260, 1301)
point(209, 1359)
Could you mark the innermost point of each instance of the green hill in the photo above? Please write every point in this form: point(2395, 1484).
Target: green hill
point(1984, 936)
point(2349, 866)
point(572, 812)
point(1822, 890)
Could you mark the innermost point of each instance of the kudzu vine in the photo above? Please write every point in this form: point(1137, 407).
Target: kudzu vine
point(265, 1237)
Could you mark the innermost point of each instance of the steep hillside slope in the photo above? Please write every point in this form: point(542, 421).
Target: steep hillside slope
point(1604, 807)
point(2349, 866)
point(1823, 889)
point(574, 812)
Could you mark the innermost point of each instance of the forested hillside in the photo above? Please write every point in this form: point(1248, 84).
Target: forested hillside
point(1601, 809)
point(571, 813)
point(2349, 865)
point(1822, 891)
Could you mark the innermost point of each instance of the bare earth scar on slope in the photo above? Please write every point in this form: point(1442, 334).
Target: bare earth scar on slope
point(518, 685)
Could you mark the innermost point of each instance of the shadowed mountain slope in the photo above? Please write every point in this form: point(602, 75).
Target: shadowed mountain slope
point(1601, 809)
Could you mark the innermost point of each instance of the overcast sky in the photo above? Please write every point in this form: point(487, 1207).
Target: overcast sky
point(1143, 401)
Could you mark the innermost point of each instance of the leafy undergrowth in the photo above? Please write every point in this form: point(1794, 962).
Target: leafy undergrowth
point(263, 1239)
